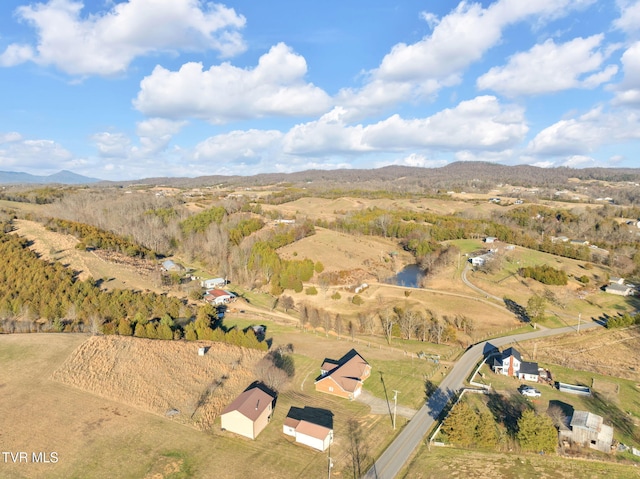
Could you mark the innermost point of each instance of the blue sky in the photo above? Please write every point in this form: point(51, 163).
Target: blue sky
point(124, 90)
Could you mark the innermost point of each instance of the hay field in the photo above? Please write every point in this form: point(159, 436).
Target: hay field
point(602, 351)
point(162, 376)
point(330, 209)
point(339, 251)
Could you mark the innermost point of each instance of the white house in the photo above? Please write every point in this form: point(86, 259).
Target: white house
point(510, 363)
point(213, 283)
point(481, 260)
point(304, 425)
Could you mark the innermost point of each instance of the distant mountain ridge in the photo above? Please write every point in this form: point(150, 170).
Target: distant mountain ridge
point(63, 177)
point(462, 174)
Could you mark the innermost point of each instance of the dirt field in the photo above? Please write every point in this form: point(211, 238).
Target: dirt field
point(167, 378)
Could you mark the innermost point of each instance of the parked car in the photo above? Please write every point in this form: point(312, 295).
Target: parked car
point(531, 392)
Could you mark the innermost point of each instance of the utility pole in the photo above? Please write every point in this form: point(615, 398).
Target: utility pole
point(395, 407)
point(330, 462)
point(579, 317)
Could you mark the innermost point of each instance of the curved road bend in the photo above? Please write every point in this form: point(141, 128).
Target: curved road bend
point(393, 459)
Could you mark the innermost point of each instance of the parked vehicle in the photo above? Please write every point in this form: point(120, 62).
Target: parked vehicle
point(531, 392)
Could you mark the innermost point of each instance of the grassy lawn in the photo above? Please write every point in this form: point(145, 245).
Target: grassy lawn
point(406, 376)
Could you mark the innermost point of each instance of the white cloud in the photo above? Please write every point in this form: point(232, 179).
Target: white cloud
point(459, 39)
point(156, 133)
point(578, 161)
point(16, 54)
point(628, 91)
point(112, 145)
point(414, 159)
point(106, 43)
point(36, 156)
point(244, 146)
point(549, 67)
point(10, 137)
point(629, 21)
point(329, 134)
point(582, 135)
point(480, 123)
point(275, 87)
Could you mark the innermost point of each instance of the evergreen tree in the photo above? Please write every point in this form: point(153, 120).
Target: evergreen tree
point(460, 425)
point(536, 433)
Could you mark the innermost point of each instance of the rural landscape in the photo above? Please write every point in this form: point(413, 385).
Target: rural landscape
point(308, 324)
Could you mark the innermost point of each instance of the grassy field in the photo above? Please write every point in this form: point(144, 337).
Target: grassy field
point(159, 376)
point(97, 437)
point(440, 462)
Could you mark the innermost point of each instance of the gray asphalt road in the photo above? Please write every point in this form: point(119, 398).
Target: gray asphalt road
point(393, 459)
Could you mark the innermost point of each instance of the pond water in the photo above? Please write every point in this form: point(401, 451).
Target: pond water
point(409, 276)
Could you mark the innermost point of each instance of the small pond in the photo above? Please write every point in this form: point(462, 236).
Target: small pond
point(409, 277)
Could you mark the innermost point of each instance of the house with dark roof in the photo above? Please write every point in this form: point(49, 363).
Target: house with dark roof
point(343, 377)
point(312, 427)
point(249, 413)
point(510, 363)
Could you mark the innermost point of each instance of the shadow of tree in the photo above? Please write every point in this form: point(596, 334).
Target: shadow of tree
point(440, 403)
point(507, 409)
point(386, 396)
point(429, 388)
point(518, 310)
point(612, 414)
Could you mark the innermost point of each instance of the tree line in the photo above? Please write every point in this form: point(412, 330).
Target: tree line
point(37, 296)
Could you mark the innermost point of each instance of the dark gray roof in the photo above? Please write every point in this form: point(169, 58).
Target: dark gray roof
point(528, 368)
point(511, 352)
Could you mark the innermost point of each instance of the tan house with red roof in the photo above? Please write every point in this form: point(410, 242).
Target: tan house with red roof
point(249, 413)
point(310, 426)
point(343, 377)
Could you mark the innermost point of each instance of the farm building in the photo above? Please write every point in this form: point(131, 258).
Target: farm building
point(249, 413)
point(312, 427)
point(619, 289)
point(588, 429)
point(219, 296)
point(481, 260)
point(343, 377)
point(172, 266)
point(213, 283)
point(510, 363)
point(490, 239)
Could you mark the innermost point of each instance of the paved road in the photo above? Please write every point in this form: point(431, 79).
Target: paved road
point(393, 459)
